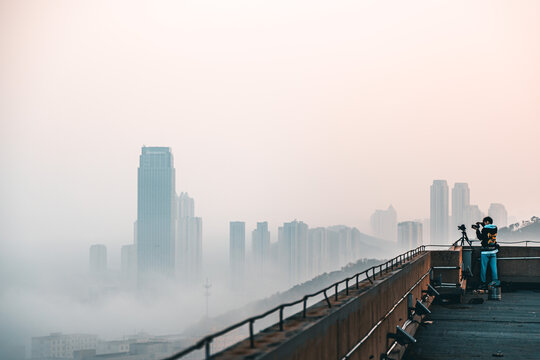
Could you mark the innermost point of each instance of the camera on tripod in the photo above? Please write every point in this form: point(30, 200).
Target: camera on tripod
point(464, 238)
point(477, 225)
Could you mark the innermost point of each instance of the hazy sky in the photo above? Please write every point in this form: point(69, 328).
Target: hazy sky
point(317, 110)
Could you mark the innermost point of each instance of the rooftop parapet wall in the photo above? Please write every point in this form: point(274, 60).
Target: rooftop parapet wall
point(443, 261)
point(330, 333)
point(515, 264)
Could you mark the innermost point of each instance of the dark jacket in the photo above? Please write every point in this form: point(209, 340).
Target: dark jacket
point(488, 236)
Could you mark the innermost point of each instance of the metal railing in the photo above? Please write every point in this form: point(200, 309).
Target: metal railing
point(520, 242)
point(374, 270)
point(526, 242)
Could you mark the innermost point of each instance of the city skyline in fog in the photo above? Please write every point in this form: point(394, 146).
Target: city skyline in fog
point(271, 116)
point(318, 111)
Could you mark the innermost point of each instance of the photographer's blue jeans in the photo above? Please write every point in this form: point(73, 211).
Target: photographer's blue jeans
point(491, 259)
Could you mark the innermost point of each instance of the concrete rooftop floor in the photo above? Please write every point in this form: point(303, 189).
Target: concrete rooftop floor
point(510, 327)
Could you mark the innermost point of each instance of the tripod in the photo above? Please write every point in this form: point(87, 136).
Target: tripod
point(466, 264)
point(464, 238)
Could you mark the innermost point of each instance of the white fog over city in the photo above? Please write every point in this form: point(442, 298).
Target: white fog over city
point(169, 168)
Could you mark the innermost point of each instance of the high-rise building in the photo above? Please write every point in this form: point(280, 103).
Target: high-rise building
point(128, 263)
point(237, 250)
point(461, 196)
point(98, 259)
point(294, 247)
point(186, 205)
point(409, 235)
point(317, 248)
point(334, 251)
point(498, 214)
point(188, 242)
point(344, 243)
point(425, 229)
point(384, 222)
point(439, 212)
point(260, 244)
point(156, 215)
point(474, 214)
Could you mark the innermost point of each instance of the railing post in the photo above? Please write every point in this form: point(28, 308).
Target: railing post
point(207, 349)
point(347, 286)
point(357, 286)
point(251, 339)
point(281, 318)
point(336, 291)
point(304, 311)
point(327, 300)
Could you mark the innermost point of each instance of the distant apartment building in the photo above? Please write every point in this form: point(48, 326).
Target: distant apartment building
point(185, 206)
point(318, 251)
point(383, 224)
point(344, 243)
point(156, 215)
point(188, 241)
point(333, 250)
point(98, 259)
point(60, 346)
point(294, 251)
point(128, 263)
point(499, 215)
point(410, 235)
point(439, 229)
point(237, 250)
point(260, 245)
point(426, 223)
point(474, 214)
point(461, 198)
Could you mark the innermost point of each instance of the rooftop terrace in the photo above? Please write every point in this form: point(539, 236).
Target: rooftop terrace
point(361, 316)
point(509, 328)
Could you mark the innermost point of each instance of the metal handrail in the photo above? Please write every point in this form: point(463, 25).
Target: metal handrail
point(519, 242)
point(390, 264)
point(499, 242)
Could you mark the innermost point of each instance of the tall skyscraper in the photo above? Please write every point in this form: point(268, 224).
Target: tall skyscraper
point(384, 224)
point(237, 250)
point(498, 214)
point(188, 242)
point(98, 259)
point(156, 215)
point(439, 212)
point(409, 235)
point(461, 196)
point(260, 244)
